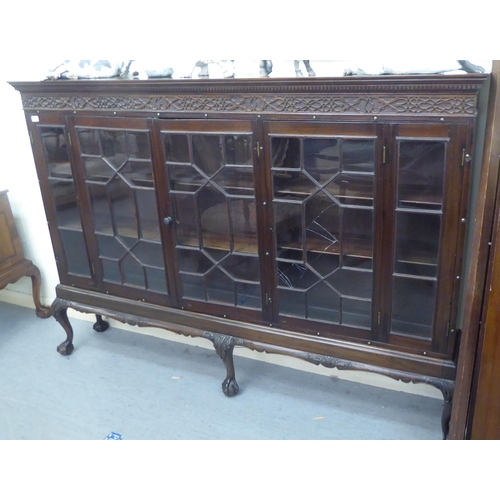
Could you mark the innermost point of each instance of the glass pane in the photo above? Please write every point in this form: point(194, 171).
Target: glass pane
point(64, 196)
point(296, 276)
point(413, 306)
point(98, 170)
point(321, 158)
point(220, 288)
point(288, 224)
point(357, 244)
point(322, 218)
point(352, 189)
point(244, 225)
point(176, 148)
point(238, 150)
point(352, 283)
point(292, 303)
point(56, 152)
point(214, 216)
point(285, 152)
point(242, 267)
point(75, 250)
point(358, 155)
point(323, 304)
point(156, 279)
point(138, 173)
point(138, 145)
point(114, 147)
point(133, 271)
point(357, 313)
point(236, 181)
point(323, 263)
point(185, 178)
point(186, 226)
point(90, 143)
point(110, 247)
point(100, 208)
point(207, 153)
point(65, 199)
point(417, 243)
point(111, 270)
point(192, 286)
point(125, 214)
point(292, 185)
point(421, 174)
point(248, 295)
point(149, 254)
point(194, 261)
point(147, 214)
point(123, 208)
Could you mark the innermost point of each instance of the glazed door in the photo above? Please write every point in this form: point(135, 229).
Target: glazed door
point(210, 196)
point(325, 193)
point(426, 208)
point(117, 187)
point(57, 177)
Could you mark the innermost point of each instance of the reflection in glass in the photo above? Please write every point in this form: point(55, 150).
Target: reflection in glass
point(185, 178)
point(238, 150)
point(292, 186)
point(63, 190)
point(324, 228)
point(352, 189)
point(119, 179)
point(421, 174)
point(236, 181)
point(213, 199)
point(285, 152)
point(176, 147)
point(417, 243)
point(413, 306)
point(207, 153)
point(321, 158)
point(358, 155)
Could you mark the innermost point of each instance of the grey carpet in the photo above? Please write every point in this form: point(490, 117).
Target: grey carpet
point(149, 388)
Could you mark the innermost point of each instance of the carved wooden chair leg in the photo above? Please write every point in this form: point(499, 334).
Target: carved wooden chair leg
point(100, 325)
point(34, 273)
point(60, 313)
point(224, 346)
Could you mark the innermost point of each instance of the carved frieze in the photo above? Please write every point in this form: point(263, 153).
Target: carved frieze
point(348, 104)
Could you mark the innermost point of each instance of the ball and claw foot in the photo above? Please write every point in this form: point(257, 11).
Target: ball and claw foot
point(100, 325)
point(43, 312)
point(65, 348)
point(230, 387)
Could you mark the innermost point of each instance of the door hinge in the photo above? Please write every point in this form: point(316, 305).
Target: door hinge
point(463, 157)
point(69, 139)
point(31, 137)
point(384, 154)
point(269, 300)
point(258, 149)
point(93, 269)
point(378, 318)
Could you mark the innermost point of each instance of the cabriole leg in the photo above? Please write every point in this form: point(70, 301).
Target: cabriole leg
point(60, 313)
point(100, 325)
point(34, 273)
point(224, 345)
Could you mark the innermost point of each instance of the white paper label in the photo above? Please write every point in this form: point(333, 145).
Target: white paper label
point(35, 118)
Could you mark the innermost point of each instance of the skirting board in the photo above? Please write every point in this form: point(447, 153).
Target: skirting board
point(25, 300)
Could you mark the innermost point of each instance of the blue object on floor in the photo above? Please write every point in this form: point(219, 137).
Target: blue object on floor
point(113, 436)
